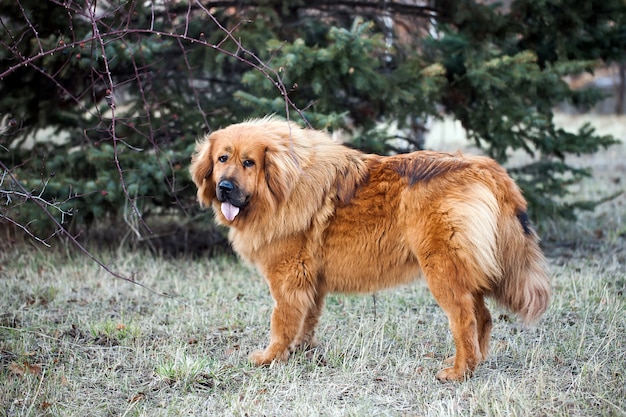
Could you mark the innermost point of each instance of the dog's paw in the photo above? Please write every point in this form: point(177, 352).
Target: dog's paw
point(311, 342)
point(259, 358)
point(453, 374)
point(305, 343)
point(267, 356)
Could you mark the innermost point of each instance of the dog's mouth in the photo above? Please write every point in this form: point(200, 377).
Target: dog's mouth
point(229, 211)
point(231, 197)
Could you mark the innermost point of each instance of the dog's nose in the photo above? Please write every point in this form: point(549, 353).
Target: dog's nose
point(226, 186)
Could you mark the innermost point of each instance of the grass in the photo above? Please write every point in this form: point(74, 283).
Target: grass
point(74, 341)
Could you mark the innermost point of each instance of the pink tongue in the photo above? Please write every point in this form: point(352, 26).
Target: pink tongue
point(229, 211)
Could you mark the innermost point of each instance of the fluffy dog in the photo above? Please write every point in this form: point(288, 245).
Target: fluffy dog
point(317, 217)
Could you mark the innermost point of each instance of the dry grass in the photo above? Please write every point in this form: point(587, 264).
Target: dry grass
point(75, 341)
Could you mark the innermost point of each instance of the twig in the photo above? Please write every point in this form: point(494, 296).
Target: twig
point(25, 229)
point(101, 34)
point(32, 404)
point(43, 206)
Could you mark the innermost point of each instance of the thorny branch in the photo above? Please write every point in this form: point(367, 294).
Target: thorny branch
point(101, 35)
point(110, 94)
point(45, 206)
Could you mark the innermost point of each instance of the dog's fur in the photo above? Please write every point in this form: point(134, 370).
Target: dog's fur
point(317, 217)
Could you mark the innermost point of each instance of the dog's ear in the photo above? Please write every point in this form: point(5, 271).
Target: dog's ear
point(201, 170)
point(282, 171)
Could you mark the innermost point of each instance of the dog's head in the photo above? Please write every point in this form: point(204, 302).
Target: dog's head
point(244, 166)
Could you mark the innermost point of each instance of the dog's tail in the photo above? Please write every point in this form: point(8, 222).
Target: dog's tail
point(525, 286)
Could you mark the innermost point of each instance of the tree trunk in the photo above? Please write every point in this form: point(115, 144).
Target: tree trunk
point(621, 89)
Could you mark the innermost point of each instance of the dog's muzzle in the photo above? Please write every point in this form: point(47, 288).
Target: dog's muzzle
point(231, 197)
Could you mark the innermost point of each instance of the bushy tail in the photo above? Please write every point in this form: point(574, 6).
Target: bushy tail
point(525, 286)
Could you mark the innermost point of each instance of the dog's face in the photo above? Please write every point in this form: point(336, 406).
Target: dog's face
point(239, 168)
point(237, 165)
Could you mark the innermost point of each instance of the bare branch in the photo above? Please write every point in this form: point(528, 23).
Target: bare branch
point(106, 86)
point(44, 207)
point(408, 8)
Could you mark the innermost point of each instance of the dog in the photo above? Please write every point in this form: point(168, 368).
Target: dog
point(317, 217)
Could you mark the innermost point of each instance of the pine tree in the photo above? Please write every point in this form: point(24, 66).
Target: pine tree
point(500, 73)
point(131, 85)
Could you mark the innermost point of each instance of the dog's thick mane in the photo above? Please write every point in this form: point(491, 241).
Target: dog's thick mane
point(307, 174)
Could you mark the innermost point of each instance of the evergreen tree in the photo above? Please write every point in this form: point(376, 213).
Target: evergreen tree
point(129, 86)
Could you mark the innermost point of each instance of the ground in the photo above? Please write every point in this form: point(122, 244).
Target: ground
point(76, 341)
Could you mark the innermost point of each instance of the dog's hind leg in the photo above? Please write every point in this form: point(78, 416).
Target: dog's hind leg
point(484, 324)
point(464, 315)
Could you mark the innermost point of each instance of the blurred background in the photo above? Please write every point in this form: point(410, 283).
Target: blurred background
point(101, 102)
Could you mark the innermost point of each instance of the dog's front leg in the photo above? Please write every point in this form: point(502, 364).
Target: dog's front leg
point(287, 320)
point(306, 337)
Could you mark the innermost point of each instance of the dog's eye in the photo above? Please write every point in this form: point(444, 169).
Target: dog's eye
point(248, 163)
point(223, 158)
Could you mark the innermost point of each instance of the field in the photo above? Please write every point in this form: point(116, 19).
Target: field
point(75, 341)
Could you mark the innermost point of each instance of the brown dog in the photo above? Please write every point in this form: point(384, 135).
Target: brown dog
point(317, 217)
